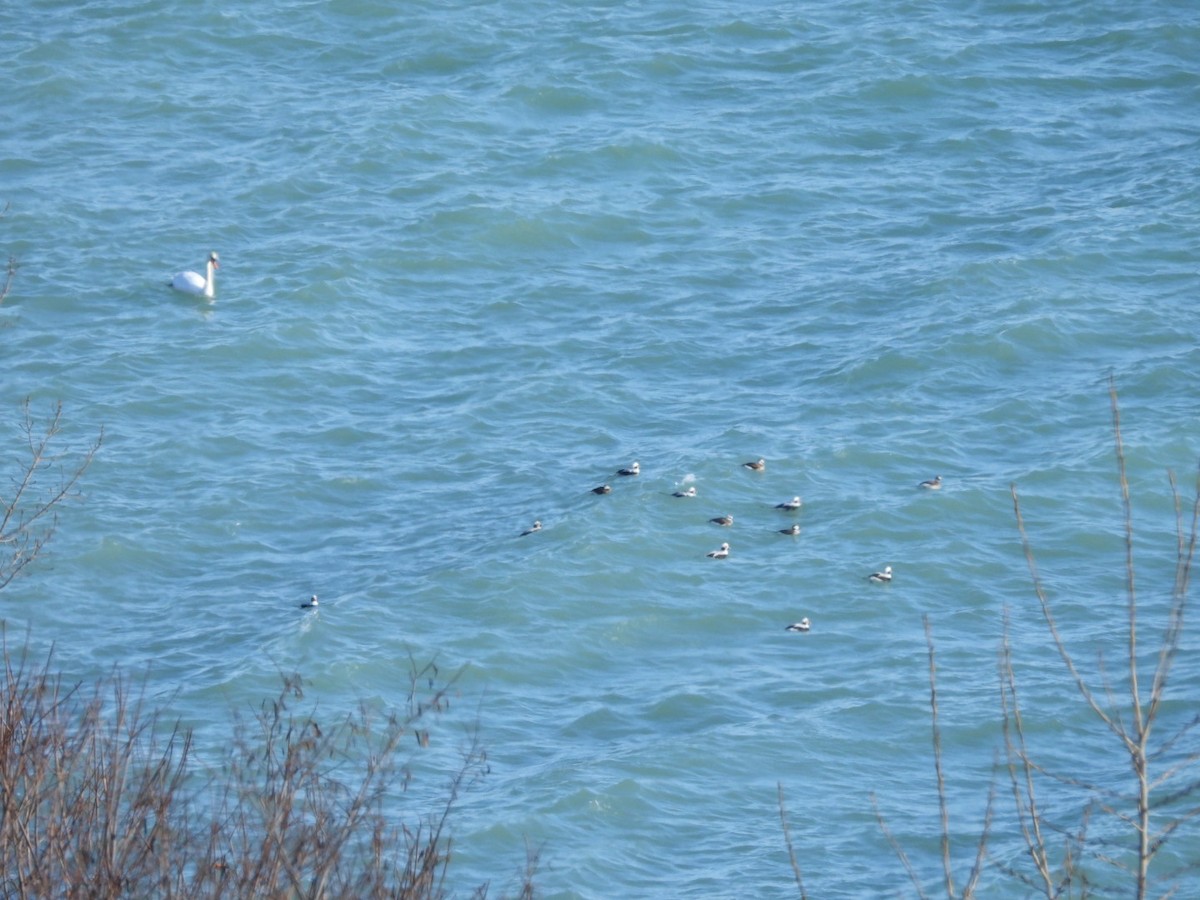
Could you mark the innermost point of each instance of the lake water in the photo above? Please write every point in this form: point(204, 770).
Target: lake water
point(475, 257)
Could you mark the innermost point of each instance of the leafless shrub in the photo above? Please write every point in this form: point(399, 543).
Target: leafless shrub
point(1153, 806)
point(973, 876)
point(44, 480)
point(102, 798)
point(1158, 802)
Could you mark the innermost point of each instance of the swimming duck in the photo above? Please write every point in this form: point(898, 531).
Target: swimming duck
point(634, 469)
point(802, 625)
point(311, 604)
point(790, 505)
point(723, 520)
point(535, 527)
point(690, 492)
point(933, 484)
point(194, 282)
point(792, 529)
point(884, 576)
point(720, 553)
point(755, 466)
point(603, 489)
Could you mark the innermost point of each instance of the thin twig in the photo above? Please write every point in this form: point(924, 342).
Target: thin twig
point(943, 808)
point(787, 838)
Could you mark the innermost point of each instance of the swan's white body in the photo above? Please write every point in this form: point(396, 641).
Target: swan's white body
point(195, 283)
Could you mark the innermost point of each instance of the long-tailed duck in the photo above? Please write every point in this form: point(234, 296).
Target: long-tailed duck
point(634, 469)
point(791, 529)
point(311, 604)
point(723, 520)
point(884, 576)
point(603, 489)
point(802, 625)
point(690, 492)
point(755, 466)
point(720, 553)
point(933, 484)
point(535, 527)
point(791, 505)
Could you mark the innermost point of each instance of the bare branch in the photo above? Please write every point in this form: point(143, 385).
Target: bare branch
point(11, 272)
point(787, 838)
point(29, 514)
point(1114, 725)
point(1024, 797)
point(1135, 697)
point(943, 809)
point(897, 849)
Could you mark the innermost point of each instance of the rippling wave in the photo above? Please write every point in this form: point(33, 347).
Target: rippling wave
point(477, 257)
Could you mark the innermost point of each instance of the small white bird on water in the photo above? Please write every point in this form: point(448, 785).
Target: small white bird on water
point(311, 604)
point(532, 529)
point(791, 529)
point(634, 469)
point(881, 577)
point(933, 484)
point(720, 553)
point(195, 283)
point(802, 625)
point(758, 466)
point(790, 505)
point(690, 492)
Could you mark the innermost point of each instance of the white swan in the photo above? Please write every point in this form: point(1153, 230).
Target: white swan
point(194, 282)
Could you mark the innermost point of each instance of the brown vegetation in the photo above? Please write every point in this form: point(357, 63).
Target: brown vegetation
point(29, 508)
point(103, 798)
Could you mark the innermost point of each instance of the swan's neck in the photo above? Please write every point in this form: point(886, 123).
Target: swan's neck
point(208, 282)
